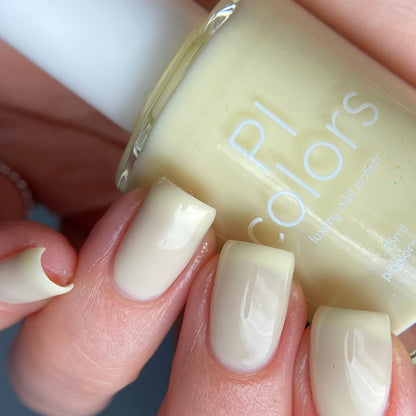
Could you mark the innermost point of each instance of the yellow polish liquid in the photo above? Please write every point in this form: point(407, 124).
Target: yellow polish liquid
point(299, 141)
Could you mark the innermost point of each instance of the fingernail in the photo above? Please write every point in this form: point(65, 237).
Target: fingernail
point(161, 241)
point(249, 304)
point(350, 362)
point(23, 280)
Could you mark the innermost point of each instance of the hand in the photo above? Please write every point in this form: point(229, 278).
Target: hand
point(73, 134)
point(74, 354)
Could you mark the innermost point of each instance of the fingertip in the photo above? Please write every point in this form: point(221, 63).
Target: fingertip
point(59, 258)
point(36, 264)
point(401, 397)
point(166, 232)
point(106, 337)
point(216, 388)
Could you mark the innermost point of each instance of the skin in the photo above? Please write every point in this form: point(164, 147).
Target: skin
point(96, 353)
point(212, 389)
point(76, 368)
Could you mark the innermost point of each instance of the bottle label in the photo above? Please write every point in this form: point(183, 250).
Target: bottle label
point(304, 160)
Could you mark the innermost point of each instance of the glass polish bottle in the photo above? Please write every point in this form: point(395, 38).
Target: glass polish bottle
point(300, 141)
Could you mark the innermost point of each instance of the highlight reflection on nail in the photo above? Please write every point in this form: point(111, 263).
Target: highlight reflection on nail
point(23, 280)
point(249, 304)
point(350, 362)
point(161, 241)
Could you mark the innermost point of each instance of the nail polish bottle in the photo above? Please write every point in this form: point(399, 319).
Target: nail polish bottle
point(298, 139)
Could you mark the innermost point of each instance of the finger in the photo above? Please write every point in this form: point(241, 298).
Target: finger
point(131, 283)
point(384, 29)
point(367, 390)
point(58, 131)
point(52, 150)
point(232, 358)
point(402, 399)
point(36, 264)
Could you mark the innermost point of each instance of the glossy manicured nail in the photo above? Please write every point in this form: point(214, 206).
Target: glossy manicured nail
point(161, 241)
point(350, 362)
point(249, 304)
point(23, 280)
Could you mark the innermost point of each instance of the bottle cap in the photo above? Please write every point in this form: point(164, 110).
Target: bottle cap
point(109, 52)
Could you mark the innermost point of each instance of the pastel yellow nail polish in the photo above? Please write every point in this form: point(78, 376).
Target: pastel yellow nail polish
point(161, 240)
point(350, 362)
point(23, 280)
point(249, 304)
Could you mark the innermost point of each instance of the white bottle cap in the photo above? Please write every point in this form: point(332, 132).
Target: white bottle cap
point(109, 52)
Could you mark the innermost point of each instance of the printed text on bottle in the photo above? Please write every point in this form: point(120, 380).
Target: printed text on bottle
point(332, 127)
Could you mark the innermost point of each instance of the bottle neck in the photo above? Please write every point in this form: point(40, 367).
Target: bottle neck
point(171, 78)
